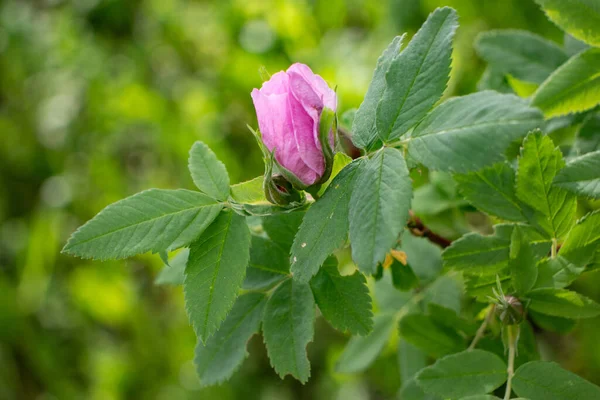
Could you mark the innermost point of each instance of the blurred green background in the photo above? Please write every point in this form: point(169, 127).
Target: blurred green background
point(100, 99)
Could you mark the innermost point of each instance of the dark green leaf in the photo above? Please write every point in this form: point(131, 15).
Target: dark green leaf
point(344, 301)
point(282, 228)
point(288, 328)
point(468, 373)
point(411, 360)
point(152, 220)
point(557, 272)
point(417, 78)
point(467, 133)
point(269, 264)
point(403, 276)
point(223, 353)
point(583, 242)
point(379, 208)
point(434, 339)
point(522, 262)
point(581, 175)
point(209, 174)
point(424, 257)
point(539, 380)
point(325, 225)
point(215, 272)
point(562, 303)
point(553, 324)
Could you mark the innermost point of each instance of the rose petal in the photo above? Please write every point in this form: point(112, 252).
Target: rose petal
point(305, 132)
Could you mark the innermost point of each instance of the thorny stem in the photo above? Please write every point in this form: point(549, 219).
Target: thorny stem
point(417, 228)
point(483, 327)
point(513, 334)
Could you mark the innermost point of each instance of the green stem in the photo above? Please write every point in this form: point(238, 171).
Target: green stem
point(554, 248)
point(483, 327)
point(512, 348)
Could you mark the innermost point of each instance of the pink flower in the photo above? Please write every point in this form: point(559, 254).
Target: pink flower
point(289, 107)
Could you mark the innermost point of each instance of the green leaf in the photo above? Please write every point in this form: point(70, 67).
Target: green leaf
point(493, 79)
point(562, 303)
point(553, 207)
point(482, 397)
point(482, 286)
point(557, 272)
point(361, 351)
point(282, 228)
point(446, 291)
point(325, 225)
point(583, 242)
point(524, 55)
point(387, 297)
point(224, 352)
point(581, 175)
point(288, 327)
point(588, 137)
point(215, 272)
point(269, 264)
point(449, 318)
point(434, 339)
point(403, 276)
point(468, 373)
point(412, 391)
point(379, 208)
point(344, 301)
point(417, 78)
point(424, 257)
point(539, 380)
point(411, 360)
point(467, 133)
point(249, 192)
point(475, 253)
point(364, 128)
point(580, 18)
point(553, 324)
point(574, 87)
point(492, 190)
point(522, 263)
point(340, 161)
point(174, 273)
point(573, 46)
point(209, 174)
point(152, 220)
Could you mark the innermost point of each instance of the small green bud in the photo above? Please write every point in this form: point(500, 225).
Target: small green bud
point(280, 191)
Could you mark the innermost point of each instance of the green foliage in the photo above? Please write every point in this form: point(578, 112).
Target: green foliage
point(152, 220)
point(268, 265)
point(470, 132)
point(209, 174)
point(522, 263)
point(463, 374)
point(583, 242)
point(344, 301)
point(218, 358)
point(288, 328)
point(325, 225)
point(417, 78)
point(174, 273)
point(562, 303)
point(429, 336)
point(523, 55)
point(215, 272)
point(539, 163)
point(580, 18)
point(581, 175)
point(574, 87)
point(378, 207)
point(540, 380)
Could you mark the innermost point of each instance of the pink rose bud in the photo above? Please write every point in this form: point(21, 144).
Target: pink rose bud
point(289, 107)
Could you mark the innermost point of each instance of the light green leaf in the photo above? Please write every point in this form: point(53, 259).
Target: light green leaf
point(364, 128)
point(553, 207)
point(344, 301)
point(224, 352)
point(173, 274)
point(524, 55)
point(379, 207)
point(411, 391)
point(468, 373)
point(215, 271)
point(417, 78)
point(522, 262)
point(581, 175)
point(411, 360)
point(539, 380)
point(424, 257)
point(340, 161)
point(269, 264)
point(475, 253)
point(562, 303)
point(557, 272)
point(387, 297)
point(288, 327)
point(583, 242)
point(434, 339)
point(361, 351)
point(580, 18)
point(249, 192)
point(492, 190)
point(467, 133)
point(446, 291)
point(493, 79)
point(325, 225)
point(209, 174)
point(152, 220)
point(574, 87)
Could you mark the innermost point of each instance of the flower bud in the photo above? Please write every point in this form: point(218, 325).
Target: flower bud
point(290, 108)
point(280, 191)
point(510, 310)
